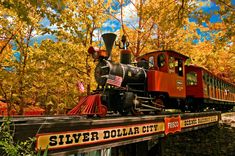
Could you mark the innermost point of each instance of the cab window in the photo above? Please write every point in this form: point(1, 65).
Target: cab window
point(151, 61)
point(171, 65)
point(161, 60)
point(179, 67)
point(191, 78)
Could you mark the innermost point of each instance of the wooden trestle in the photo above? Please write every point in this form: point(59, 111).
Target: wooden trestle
point(69, 134)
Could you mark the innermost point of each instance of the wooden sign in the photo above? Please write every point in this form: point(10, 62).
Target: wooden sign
point(198, 121)
point(92, 136)
point(82, 138)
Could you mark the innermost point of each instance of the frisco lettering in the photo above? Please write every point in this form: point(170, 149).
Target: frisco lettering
point(173, 124)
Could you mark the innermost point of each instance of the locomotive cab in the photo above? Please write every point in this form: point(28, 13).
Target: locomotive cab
point(166, 76)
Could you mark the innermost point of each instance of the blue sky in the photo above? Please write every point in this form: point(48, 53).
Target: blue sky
point(114, 25)
point(131, 19)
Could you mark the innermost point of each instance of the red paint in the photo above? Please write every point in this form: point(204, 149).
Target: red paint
point(89, 105)
point(194, 90)
point(172, 125)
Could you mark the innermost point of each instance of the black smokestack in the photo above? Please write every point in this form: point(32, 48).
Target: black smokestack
point(109, 39)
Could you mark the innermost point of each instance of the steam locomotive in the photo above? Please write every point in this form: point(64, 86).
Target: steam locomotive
point(157, 81)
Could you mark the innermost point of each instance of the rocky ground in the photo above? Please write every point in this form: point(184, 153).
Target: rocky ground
point(217, 141)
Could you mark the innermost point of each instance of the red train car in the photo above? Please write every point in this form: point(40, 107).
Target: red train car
point(204, 89)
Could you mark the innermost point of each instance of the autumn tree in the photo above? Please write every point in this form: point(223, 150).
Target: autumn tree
point(75, 25)
point(215, 46)
point(157, 22)
point(78, 23)
point(55, 69)
point(47, 73)
point(20, 21)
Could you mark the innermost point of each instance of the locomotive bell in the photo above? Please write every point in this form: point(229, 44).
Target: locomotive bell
point(109, 39)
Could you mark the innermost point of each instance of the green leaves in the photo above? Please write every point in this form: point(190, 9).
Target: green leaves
point(9, 147)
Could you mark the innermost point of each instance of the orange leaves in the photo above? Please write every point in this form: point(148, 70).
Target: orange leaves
point(217, 26)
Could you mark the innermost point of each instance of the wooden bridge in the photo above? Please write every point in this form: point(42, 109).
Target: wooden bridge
point(66, 135)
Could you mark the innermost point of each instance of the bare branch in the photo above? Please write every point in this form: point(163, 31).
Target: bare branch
point(230, 6)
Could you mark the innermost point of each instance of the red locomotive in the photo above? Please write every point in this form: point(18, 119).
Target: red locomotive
point(158, 80)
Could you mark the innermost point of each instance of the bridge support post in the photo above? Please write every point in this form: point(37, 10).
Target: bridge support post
point(141, 148)
point(157, 148)
point(137, 149)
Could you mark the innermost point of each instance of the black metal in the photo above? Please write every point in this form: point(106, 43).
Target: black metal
point(130, 74)
point(109, 39)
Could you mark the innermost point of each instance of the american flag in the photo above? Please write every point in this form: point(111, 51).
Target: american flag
point(114, 80)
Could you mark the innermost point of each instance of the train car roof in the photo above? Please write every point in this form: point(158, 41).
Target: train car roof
point(169, 51)
point(202, 68)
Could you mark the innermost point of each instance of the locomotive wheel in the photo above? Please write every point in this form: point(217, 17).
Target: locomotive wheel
point(103, 111)
point(158, 104)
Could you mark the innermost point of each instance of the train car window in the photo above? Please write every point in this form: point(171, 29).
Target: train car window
point(211, 81)
point(151, 61)
point(218, 83)
point(161, 60)
point(204, 77)
point(191, 78)
point(171, 64)
point(208, 79)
